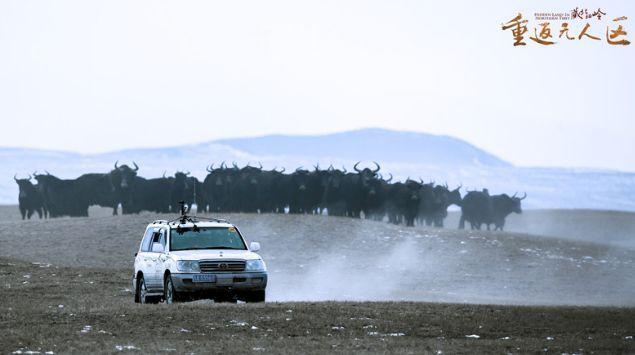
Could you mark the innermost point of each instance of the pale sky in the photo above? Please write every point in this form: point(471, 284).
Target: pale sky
point(94, 76)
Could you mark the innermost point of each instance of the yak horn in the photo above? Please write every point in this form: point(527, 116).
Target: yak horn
point(378, 167)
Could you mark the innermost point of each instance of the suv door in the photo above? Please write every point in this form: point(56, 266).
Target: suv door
point(155, 267)
point(142, 261)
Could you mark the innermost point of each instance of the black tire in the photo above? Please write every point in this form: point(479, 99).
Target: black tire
point(169, 293)
point(141, 292)
point(255, 296)
point(225, 299)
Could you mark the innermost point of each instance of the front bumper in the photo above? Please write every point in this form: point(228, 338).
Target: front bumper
point(240, 281)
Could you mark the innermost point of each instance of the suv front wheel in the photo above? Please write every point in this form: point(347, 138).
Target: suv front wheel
point(255, 296)
point(169, 293)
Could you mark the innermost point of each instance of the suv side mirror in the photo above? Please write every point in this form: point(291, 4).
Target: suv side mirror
point(254, 246)
point(157, 248)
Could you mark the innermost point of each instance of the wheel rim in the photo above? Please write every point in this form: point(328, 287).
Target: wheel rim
point(143, 291)
point(168, 292)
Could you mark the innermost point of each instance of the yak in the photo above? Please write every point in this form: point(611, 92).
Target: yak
point(30, 199)
point(479, 208)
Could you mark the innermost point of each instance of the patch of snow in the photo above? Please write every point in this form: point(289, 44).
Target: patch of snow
point(473, 336)
point(126, 347)
point(86, 329)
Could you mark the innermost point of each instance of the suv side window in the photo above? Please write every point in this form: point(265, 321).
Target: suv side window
point(158, 237)
point(147, 238)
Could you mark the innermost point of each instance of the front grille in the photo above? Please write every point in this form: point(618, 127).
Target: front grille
point(221, 265)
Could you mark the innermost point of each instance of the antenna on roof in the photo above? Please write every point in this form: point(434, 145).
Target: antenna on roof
point(183, 211)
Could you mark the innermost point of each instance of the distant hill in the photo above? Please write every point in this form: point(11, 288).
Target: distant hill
point(372, 144)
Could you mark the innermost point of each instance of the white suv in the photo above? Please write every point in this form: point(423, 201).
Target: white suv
point(191, 258)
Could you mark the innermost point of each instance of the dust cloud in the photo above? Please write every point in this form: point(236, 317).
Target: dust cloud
point(317, 258)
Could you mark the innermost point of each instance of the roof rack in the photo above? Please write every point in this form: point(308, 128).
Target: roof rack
point(184, 218)
point(196, 219)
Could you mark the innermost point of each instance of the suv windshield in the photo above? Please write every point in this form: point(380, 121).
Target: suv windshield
point(206, 238)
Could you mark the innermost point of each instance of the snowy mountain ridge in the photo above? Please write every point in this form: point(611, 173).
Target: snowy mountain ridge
point(403, 154)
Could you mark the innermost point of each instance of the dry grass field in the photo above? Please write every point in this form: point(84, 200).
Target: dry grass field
point(336, 285)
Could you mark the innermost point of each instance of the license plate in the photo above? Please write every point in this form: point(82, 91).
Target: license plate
point(204, 278)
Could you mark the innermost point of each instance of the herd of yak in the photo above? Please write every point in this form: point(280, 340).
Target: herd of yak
point(363, 192)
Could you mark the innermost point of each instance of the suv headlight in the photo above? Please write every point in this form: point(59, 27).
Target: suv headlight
point(188, 266)
point(255, 265)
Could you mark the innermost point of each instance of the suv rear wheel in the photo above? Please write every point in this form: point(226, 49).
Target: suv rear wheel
point(142, 292)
